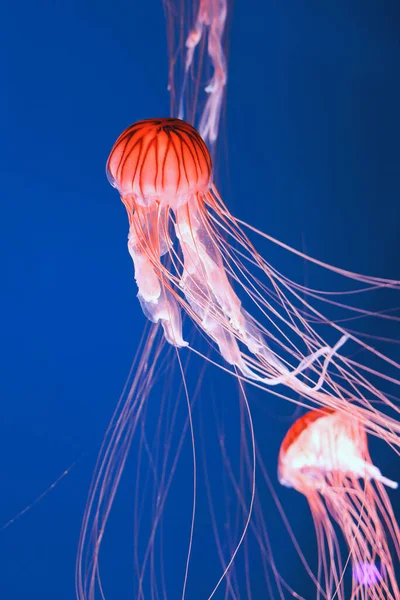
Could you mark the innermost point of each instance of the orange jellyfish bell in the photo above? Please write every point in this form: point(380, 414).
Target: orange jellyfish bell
point(159, 160)
point(325, 456)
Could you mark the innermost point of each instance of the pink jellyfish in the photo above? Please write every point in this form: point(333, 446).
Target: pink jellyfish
point(325, 457)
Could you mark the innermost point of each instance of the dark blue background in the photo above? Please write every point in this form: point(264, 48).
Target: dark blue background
point(312, 129)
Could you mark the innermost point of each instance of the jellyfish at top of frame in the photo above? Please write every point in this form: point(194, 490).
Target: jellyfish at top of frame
point(163, 172)
point(325, 457)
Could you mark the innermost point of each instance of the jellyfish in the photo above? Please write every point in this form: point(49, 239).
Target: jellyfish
point(325, 457)
point(189, 253)
point(163, 171)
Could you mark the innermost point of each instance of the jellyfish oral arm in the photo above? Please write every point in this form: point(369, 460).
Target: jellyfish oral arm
point(374, 473)
point(157, 303)
point(206, 286)
point(210, 19)
point(145, 275)
point(306, 468)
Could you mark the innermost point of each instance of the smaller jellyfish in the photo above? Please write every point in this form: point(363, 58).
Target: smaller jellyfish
point(325, 456)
